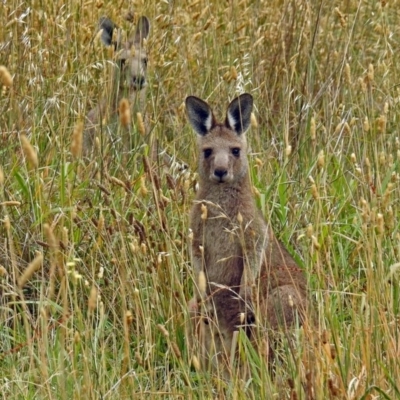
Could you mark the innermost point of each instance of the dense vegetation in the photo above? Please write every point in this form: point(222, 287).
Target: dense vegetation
point(94, 265)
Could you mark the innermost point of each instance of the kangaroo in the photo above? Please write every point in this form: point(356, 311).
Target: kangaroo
point(129, 78)
point(250, 278)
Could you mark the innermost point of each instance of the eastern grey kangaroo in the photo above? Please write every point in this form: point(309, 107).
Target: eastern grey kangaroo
point(128, 80)
point(247, 277)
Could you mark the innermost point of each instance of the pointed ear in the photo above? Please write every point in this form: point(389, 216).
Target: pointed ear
point(108, 27)
point(238, 115)
point(142, 30)
point(200, 115)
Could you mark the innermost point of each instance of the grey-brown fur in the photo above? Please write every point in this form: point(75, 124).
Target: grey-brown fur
point(128, 81)
point(250, 276)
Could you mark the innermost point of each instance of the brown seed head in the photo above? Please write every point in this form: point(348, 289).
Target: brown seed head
point(31, 269)
point(381, 123)
point(196, 363)
point(5, 76)
point(203, 212)
point(29, 151)
point(124, 112)
point(92, 302)
point(162, 329)
point(140, 124)
point(51, 239)
point(312, 129)
point(202, 282)
point(76, 142)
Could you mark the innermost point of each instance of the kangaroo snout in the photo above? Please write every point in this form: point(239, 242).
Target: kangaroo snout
point(138, 82)
point(220, 174)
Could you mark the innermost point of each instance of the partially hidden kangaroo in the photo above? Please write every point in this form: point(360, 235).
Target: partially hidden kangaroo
point(246, 276)
point(128, 81)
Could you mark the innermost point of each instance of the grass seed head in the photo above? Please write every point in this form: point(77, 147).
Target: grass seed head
point(380, 226)
point(143, 191)
point(363, 85)
point(163, 330)
point(309, 230)
point(370, 74)
point(321, 159)
point(382, 158)
point(314, 191)
point(234, 74)
point(366, 124)
point(51, 239)
point(5, 76)
point(76, 142)
point(203, 212)
point(176, 350)
point(124, 112)
point(196, 363)
point(253, 121)
point(7, 223)
point(3, 271)
point(342, 127)
point(138, 358)
point(100, 222)
point(29, 152)
point(77, 337)
point(381, 123)
point(140, 124)
point(30, 270)
point(312, 129)
point(347, 73)
point(202, 282)
point(129, 317)
point(92, 302)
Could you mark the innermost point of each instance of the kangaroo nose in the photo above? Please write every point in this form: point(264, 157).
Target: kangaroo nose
point(220, 173)
point(138, 82)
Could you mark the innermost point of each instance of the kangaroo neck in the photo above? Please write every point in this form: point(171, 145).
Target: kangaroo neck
point(226, 193)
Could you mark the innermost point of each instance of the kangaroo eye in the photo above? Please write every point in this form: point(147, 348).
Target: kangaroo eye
point(236, 151)
point(207, 153)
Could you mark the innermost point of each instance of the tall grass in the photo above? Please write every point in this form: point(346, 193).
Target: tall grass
point(94, 265)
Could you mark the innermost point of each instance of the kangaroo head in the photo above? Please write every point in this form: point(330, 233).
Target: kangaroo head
point(222, 146)
point(132, 56)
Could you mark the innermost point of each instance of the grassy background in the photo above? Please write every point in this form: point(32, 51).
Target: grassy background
point(103, 316)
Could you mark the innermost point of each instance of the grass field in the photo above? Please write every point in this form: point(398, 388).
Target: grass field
point(95, 271)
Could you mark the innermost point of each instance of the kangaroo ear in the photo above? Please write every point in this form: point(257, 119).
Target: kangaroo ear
point(200, 115)
point(238, 115)
point(108, 27)
point(142, 30)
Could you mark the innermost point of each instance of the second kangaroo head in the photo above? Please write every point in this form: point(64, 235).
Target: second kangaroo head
point(222, 146)
point(132, 56)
